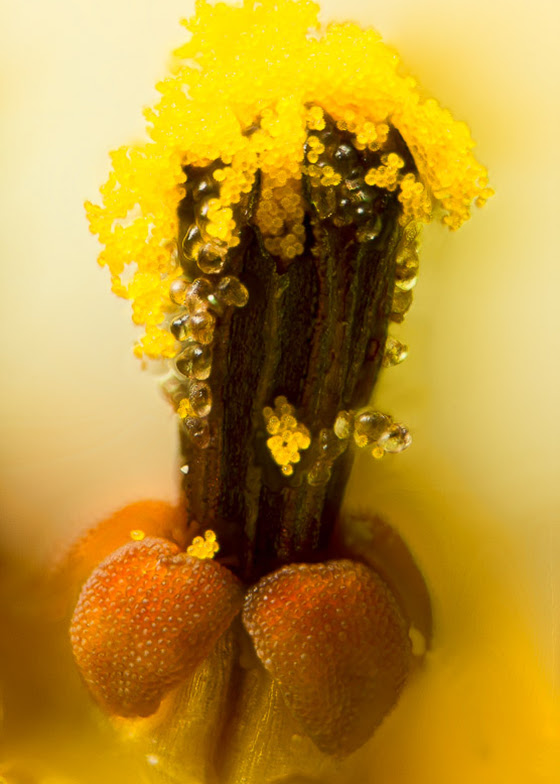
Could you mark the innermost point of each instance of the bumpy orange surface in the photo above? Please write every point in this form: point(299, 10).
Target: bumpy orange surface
point(333, 637)
point(146, 618)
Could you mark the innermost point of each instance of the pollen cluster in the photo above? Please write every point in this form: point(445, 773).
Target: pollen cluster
point(247, 94)
point(287, 436)
point(204, 547)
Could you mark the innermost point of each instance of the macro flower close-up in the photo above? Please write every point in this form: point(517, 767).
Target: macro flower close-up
point(266, 517)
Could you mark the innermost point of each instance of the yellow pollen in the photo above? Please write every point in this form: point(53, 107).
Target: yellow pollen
point(204, 547)
point(226, 99)
point(137, 535)
point(288, 437)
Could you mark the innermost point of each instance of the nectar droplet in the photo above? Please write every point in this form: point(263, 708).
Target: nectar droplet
point(196, 296)
point(195, 361)
point(402, 300)
point(343, 425)
point(406, 272)
point(395, 352)
point(198, 431)
point(370, 426)
point(232, 292)
point(396, 440)
point(200, 399)
point(211, 258)
point(178, 290)
point(201, 327)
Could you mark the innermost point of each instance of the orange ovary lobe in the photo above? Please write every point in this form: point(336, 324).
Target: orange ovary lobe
point(146, 618)
point(333, 637)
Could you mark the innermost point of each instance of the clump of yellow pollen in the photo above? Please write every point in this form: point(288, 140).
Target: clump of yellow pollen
point(248, 89)
point(204, 547)
point(287, 436)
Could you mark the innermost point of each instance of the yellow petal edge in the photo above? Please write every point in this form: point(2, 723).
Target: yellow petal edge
point(272, 66)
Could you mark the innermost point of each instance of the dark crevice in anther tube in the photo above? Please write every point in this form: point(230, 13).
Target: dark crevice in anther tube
point(313, 331)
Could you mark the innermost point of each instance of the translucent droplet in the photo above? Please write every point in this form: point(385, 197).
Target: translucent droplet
point(406, 272)
point(353, 183)
point(402, 300)
point(331, 446)
point(191, 242)
point(179, 327)
point(196, 295)
point(201, 326)
point(200, 399)
point(202, 208)
point(185, 469)
point(202, 213)
point(177, 290)
point(204, 188)
point(370, 426)
point(195, 361)
point(232, 292)
point(343, 424)
point(320, 473)
point(396, 440)
point(346, 158)
point(395, 352)
point(198, 431)
point(412, 231)
point(211, 258)
point(371, 230)
point(324, 201)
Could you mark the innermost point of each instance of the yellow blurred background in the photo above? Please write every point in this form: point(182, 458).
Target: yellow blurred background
point(84, 429)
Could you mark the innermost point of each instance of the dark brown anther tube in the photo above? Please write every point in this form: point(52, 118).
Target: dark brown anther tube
point(313, 331)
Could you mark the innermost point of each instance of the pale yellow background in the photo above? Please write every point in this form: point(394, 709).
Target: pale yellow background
point(83, 430)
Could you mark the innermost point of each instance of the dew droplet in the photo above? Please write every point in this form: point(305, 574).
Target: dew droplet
point(200, 399)
point(406, 272)
point(198, 431)
point(395, 352)
point(330, 446)
point(201, 326)
point(185, 469)
point(196, 295)
point(371, 230)
point(211, 258)
point(343, 424)
point(396, 440)
point(203, 212)
point(204, 188)
point(402, 300)
point(195, 361)
point(320, 473)
point(191, 242)
point(177, 290)
point(179, 327)
point(370, 426)
point(232, 292)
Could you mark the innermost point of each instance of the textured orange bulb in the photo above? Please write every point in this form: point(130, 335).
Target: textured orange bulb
point(333, 637)
point(146, 618)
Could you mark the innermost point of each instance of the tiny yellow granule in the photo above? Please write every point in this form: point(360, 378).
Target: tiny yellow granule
point(248, 88)
point(137, 535)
